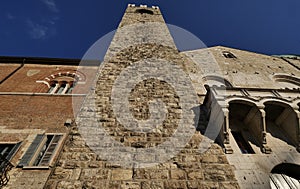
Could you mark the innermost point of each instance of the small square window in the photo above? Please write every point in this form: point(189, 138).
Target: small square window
point(228, 54)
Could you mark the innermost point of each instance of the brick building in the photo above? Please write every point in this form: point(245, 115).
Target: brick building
point(51, 110)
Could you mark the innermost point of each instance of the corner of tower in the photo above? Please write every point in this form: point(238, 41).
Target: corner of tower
point(135, 14)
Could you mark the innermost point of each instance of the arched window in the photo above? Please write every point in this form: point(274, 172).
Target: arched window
point(62, 82)
point(62, 87)
point(53, 87)
point(72, 85)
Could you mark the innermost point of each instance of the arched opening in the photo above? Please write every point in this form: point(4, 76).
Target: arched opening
point(285, 175)
point(287, 81)
point(282, 125)
point(53, 87)
point(246, 127)
point(62, 87)
point(144, 11)
point(217, 81)
point(71, 88)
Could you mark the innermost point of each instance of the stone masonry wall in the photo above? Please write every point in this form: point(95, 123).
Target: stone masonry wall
point(80, 167)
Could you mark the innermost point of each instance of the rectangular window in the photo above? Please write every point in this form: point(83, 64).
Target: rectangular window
point(242, 143)
point(41, 151)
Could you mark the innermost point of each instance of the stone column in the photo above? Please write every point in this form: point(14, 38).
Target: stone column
point(55, 88)
point(298, 130)
point(264, 147)
point(228, 149)
point(66, 88)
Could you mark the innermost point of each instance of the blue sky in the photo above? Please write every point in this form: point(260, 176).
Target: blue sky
point(66, 29)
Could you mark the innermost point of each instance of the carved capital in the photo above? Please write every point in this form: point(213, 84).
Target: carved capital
point(266, 149)
point(228, 149)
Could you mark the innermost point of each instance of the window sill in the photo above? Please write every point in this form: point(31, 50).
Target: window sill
point(36, 167)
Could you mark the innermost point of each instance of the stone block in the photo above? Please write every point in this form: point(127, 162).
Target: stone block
point(178, 174)
point(121, 174)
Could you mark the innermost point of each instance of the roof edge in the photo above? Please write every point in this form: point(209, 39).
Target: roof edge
point(46, 61)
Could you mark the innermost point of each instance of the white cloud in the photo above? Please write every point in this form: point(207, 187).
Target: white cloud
point(9, 16)
point(51, 5)
point(37, 31)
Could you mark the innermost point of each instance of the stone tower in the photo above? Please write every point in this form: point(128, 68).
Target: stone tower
point(150, 116)
point(141, 39)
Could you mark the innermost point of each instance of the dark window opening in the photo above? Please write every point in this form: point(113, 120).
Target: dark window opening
point(61, 88)
point(69, 91)
point(42, 152)
point(242, 143)
point(52, 86)
point(144, 11)
point(228, 55)
point(47, 150)
point(7, 151)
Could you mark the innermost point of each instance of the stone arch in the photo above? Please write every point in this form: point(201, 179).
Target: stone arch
point(282, 122)
point(287, 81)
point(245, 124)
point(243, 99)
point(275, 100)
point(213, 80)
point(296, 103)
point(285, 175)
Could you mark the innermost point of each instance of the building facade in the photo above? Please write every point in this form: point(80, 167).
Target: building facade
point(248, 104)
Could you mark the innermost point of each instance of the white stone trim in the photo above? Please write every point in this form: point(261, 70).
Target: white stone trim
point(44, 82)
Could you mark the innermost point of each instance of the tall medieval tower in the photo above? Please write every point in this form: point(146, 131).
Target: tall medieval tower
point(150, 116)
point(141, 37)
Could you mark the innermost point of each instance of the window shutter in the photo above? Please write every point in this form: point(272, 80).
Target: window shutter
point(30, 151)
point(50, 150)
point(13, 151)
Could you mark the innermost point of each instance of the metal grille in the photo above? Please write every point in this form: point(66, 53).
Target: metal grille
point(5, 166)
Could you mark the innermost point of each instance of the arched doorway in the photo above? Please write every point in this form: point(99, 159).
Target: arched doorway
point(285, 175)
